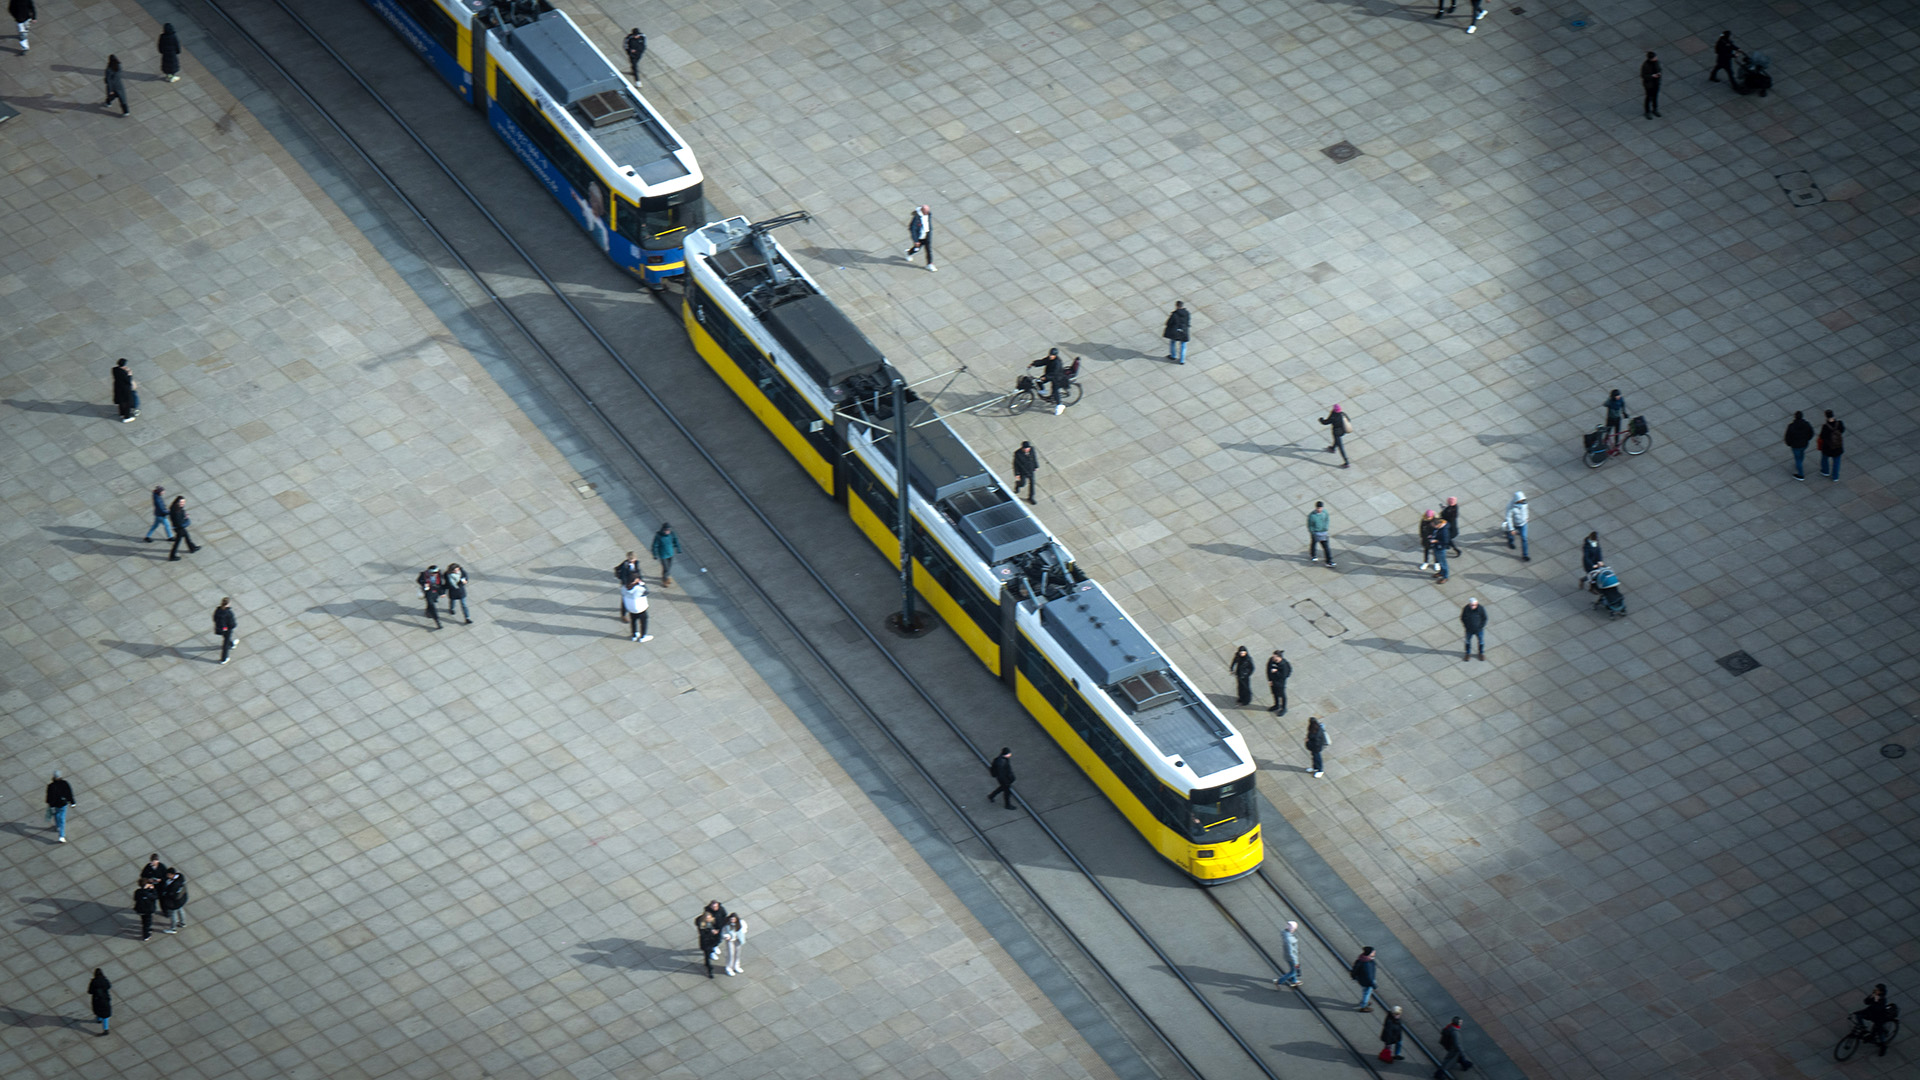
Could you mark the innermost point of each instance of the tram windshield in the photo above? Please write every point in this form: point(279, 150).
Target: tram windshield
point(1224, 812)
point(666, 220)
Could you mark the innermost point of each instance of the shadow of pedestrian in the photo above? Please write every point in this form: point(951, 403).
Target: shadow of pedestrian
point(628, 955)
point(378, 609)
point(88, 918)
point(1237, 551)
point(538, 606)
point(1406, 648)
point(17, 1018)
point(1098, 350)
point(145, 650)
point(850, 257)
point(1294, 450)
point(602, 578)
point(95, 541)
point(42, 833)
point(611, 630)
point(71, 408)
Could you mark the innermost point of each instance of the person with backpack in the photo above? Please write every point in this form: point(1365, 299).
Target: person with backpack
point(1341, 426)
point(1452, 1054)
point(432, 584)
point(1832, 445)
point(1317, 741)
point(1366, 967)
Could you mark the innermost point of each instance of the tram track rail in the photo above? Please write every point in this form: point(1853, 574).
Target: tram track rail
point(504, 307)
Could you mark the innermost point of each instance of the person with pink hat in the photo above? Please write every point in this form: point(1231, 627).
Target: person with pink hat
point(1341, 427)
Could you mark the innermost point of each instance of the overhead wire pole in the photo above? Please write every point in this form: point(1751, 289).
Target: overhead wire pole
point(906, 622)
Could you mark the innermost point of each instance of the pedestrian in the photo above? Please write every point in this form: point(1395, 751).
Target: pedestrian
point(627, 573)
point(146, 901)
point(1650, 85)
point(1451, 1052)
point(1026, 466)
point(1799, 434)
point(1054, 377)
point(455, 579)
point(636, 47)
point(173, 900)
point(23, 15)
point(1616, 407)
point(1365, 968)
point(59, 801)
point(1723, 50)
point(1515, 524)
point(177, 514)
point(920, 232)
point(709, 940)
point(169, 46)
point(1832, 445)
point(1590, 555)
point(1444, 8)
point(666, 544)
point(1442, 537)
point(1341, 427)
point(1317, 742)
point(1178, 331)
point(159, 515)
point(1473, 618)
point(224, 624)
point(1392, 1034)
point(432, 584)
point(101, 991)
point(153, 869)
point(1479, 12)
point(714, 910)
point(1427, 522)
point(1279, 670)
point(1002, 772)
point(1317, 535)
point(116, 89)
point(126, 392)
point(1241, 665)
point(1451, 512)
point(633, 600)
point(1290, 955)
point(734, 933)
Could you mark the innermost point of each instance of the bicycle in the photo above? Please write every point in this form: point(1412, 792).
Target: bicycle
point(1603, 444)
point(1026, 391)
point(1863, 1033)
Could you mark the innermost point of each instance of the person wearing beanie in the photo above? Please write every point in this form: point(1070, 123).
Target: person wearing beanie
point(1515, 523)
point(1336, 422)
point(1290, 954)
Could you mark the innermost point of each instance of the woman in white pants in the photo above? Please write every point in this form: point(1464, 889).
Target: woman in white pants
point(734, 933)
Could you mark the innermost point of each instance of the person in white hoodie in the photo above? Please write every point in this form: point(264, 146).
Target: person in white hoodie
point(734, 933)
point(1516, 523)
point(633, 599)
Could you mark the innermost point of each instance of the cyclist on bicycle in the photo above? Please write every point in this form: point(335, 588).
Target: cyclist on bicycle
point(1877, 1012)
point(1616, 412)
point(1056, 378)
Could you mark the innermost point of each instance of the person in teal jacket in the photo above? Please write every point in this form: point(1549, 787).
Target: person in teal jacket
point(1317, 536)
point(666, 544)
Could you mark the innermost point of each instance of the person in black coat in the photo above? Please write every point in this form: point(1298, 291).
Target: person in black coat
point(116, 89)
point(146, 901)
point(1799, 435)
point(1279, 670)
point(153, 869)
point(1336, 422)
point(1474, 618)
point(173, 900)
point(23, 13)
point(224, 624)
point(1241, 665)
point(101, 991)
point(1317, 741)
point(126, 392)
point(709, 940)
point(920, 234)
point(169, 46)
point(1451, 514)
point(1364, 970)
point(432, 585)
point(636, 47)
point(1178, 331)
point(1590, 554)
point(1650, 86)
point(1450, 1045)
point(59, 799)
point(177, 514)
point(1723, 50)
point(1002, 772)
point(1393, 1033)
point(1832, 445)
point(1026, 466)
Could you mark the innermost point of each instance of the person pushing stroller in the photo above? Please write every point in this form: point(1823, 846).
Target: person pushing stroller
point(1602, 580)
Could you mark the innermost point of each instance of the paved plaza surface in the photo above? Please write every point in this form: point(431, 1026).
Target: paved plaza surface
point(471, 852)
point(1628, 860)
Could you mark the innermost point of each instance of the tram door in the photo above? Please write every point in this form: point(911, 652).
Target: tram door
point(479, 38)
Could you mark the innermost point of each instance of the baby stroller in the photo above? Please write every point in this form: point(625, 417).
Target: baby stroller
point(1750, 75)
point(1602, 580)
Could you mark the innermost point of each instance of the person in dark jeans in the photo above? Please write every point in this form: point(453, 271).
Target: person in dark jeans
point(1799, 434)
point(1336, 421)
point(1279, 670)
point(1026, 466)
point(1317, 741)
point(1317, 535)
point(1450, 1045)
point(1723, 50)
point(1002, 772)
point(1650, 86)
point(224, 624)
point(177, 514)
point(146, 901)
point(1473, 618)
point(1832, 445)
point(159, 515)
point(636, 47)
point(1616, 412)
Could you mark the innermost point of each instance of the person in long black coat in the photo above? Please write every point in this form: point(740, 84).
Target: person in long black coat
point(1241, 665)
point(126, 392)
point(101, 991)
point(1002, 772)
point(169, 53)
point(116, 89)
point(709, 940)
point(1178, 331)
point(177, 514)
point(146, 901)
point(1279, 670)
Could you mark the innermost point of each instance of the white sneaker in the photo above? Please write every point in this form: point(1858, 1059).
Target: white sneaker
point(647, 637)
point(1481, 14)
point(63, 839)
point(932, 268)
point(1058, 409)
point(1472, 27)
point(1321, 772)
point(635, 637)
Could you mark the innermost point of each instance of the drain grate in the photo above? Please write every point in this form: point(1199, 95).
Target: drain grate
point(1318, 618)
point(1739, 663)
point(1893, 750)
point(1342, 151)
point(1800, 188)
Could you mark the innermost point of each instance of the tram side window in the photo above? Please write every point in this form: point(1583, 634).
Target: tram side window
point(434, 21)
point(1168, 806)
point(529, 119)
point(957, 582)
point(755, 365)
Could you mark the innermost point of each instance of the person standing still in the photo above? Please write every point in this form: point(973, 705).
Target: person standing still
point(1723, 50)
point(224, 624)
point(734, 933)
point(116, 89)
point(159, 515)
point(1650, 86)
point(1451, 1054)
point(169, 46)
point(1317, 535)
point(1473, 619)
point(1451, 513)
point(146, 901)
point(432, 584)
point(709, 940)
point(1002, 772)
point(627, 573)
point(177, 514)
point(1799, 434)
point(1241, 665)
point(59, 801)
point(1616, 406)
point(1832, 445)
point(666, 544)
point(1026, 466)
point(920, 232)
point(173, 900)
point(23, 15)
point(1365, 971)
point(126, 392)
point(101, 991)
point(1341, 427)
point(1290, 955)
point(1178, 331)
point(1428, 521)
point(455, 580)
point(636, 47)
point(1279, 670)
point(1442, 537)
point(633, 600)
point(1317, 742)
point(1515, 523)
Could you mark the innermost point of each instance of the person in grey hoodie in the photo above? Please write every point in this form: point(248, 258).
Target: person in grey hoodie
point(1516, 524)
point(1290, 952)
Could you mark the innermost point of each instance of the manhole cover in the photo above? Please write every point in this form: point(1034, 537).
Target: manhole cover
point(1800, 188)
point(1893, 750)
point(1342, 151)
point(1739, 663)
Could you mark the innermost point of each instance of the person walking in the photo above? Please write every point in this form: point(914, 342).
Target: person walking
point(159, 515)
point(1515, 524)
point(1241, 665)
point(1317, 742)
point(1479, 12)
point(116, 89)
point(734, 933)
point(1279, 670)
point(626, 573)
point(59, 801)
point(1392, 1034)
point(455, 579)
point(1178, 331)
point(1442, 537)
point(101, 991)
point(1026, 466)
point(146, 901)
point(1799, 434)
point(1427, 522)
point(709, 940)
point(633, 601)
point(173, 900)
point(1451, 513)
point(666, 544)
point(1289, 955)
point(1590, 555)
point(1002, 772)
point(920, 232)
point(635, 46)
point(1832, 445)
point(1341, 427)
point(432, 584)
point(23, 13)
point(224, 624)
point(1317, 535)
point(1650, 85)
point(1723, 50)
point(169, 46)
point(1364, 970)
point(1616, 407)
point(126, 392)
point(1473, 619)
point(1451, 1054)
point(177, 515)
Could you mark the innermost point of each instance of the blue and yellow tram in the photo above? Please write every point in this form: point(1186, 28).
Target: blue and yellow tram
point(605, 154)
point(1124, 712)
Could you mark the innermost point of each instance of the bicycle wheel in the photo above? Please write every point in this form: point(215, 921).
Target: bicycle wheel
point(1019, 401)
point(1639, 444)
point(1597, 458)
point(1071, 397)
point(1893, 1028)
point(1847, 1045)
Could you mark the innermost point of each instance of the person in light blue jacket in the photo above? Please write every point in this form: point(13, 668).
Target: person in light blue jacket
point(1516, 524)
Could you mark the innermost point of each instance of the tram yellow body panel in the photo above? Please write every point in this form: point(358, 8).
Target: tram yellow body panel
point(881, 535)
point(769, 415)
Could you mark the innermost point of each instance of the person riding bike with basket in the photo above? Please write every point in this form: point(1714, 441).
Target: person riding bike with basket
point(1878, 1011)
point(1057, 377)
